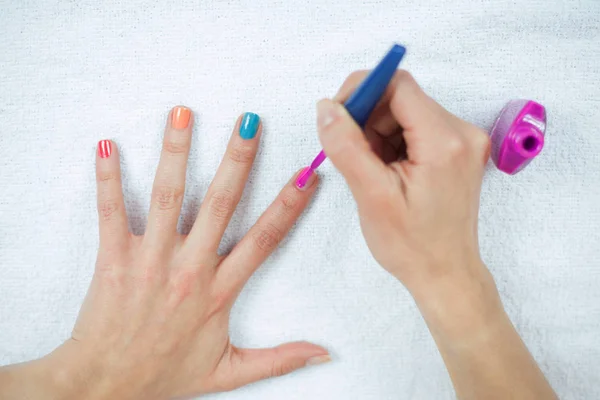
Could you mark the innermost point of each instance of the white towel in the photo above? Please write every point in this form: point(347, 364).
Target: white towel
point(74, 72)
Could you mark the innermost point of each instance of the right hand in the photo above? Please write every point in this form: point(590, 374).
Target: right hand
point(415, 173)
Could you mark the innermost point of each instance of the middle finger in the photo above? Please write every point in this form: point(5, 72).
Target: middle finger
point(226, 189)
point(169, 183)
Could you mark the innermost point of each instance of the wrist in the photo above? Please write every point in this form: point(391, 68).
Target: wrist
point(461, 307)
point(31, 380)
point(70, 372)
point(82, 372)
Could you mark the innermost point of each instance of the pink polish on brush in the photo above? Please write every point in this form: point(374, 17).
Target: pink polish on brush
point(364, 99)
point(303, 177)
point(309, 171)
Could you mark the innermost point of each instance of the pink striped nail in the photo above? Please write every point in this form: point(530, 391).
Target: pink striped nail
point(104, 148)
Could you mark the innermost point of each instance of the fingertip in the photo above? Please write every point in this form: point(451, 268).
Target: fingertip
point(277, 361)
point(318, 360)
point(105, 148)
point(249, 125)
point(181, 117)
point(328, 112)
point(107, 160)
point(313, 354)
point(305, 179)
point(304, 349)
point(345, 143)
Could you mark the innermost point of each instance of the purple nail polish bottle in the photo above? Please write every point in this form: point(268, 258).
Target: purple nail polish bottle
point(518, 135)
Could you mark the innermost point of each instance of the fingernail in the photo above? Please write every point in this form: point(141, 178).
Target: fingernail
point(104, 148)
point(249, 125)
point(181, 117)
point(318, 360)
point(326, 113)
point(306, 178)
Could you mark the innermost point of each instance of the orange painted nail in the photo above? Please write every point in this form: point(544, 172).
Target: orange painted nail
point(181, 117)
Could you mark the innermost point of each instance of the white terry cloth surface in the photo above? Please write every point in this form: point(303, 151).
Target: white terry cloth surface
point(74, 72)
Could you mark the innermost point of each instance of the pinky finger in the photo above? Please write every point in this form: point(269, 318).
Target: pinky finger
point(112, 218)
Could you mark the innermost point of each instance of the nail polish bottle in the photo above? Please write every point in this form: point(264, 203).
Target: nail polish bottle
point(518, 135)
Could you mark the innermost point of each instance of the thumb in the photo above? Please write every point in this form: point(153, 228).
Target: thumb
point(251, 365)
point(346, 146)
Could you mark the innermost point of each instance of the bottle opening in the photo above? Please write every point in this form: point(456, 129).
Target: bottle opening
point(531, 143)
point(528, 142)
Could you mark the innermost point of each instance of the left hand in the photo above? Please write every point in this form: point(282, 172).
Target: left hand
point(155, 322)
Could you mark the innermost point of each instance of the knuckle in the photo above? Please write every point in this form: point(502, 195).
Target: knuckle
point(175, 147)
point(149, 277)
point(108, 275)
point(405, 84)
point(403, 77)
point(221, 204)
point(356, 76)
point(104, 267)
point(106, 176)
point(108, 208)
point(167, 197)
point(182, 283)
point(456, 147)
point(219, 302)
point(242, 154)
point(350, 83)
point(267, 238)
point(279, 368)
point(289, 202)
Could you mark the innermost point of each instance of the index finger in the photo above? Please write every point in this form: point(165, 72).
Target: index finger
point(264, 237)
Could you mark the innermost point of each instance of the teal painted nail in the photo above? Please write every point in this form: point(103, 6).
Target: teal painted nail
point(249, 125)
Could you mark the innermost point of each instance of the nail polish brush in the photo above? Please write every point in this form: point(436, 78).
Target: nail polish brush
point(364, 99)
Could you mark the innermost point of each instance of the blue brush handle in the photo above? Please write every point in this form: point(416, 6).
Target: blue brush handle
point(364, 99)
